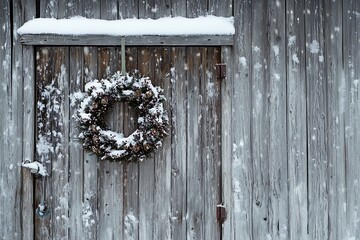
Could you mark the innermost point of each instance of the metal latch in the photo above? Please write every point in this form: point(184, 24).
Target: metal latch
point(36, 168)
point(220, 213)
point(221, 71)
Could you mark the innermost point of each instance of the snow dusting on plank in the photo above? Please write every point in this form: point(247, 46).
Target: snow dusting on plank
point(205, 25)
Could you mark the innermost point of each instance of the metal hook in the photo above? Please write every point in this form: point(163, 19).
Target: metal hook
point(123, 66)
point(36, 168)
point(39, 170)
point(42, 210)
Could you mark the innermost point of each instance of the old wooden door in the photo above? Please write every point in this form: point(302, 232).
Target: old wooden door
point(172, 195)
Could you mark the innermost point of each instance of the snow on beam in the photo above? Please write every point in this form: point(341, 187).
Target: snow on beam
point(209, 30)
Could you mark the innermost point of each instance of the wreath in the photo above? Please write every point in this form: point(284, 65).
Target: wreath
point(146, 99)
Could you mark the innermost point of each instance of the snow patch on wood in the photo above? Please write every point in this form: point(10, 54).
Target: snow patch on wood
point(204, 25)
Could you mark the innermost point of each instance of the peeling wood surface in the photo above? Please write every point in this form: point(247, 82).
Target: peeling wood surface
point(276, 141)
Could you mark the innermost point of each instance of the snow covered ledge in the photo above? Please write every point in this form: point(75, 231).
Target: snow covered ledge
point(177, 31)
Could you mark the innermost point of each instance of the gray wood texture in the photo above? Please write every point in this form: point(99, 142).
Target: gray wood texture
point(275, 141)
point(146, 40)
point(296, 120)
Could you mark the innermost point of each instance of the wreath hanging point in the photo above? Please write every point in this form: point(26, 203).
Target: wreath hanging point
point(146, 99)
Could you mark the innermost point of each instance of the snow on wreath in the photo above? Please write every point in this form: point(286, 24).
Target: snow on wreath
point(147, 101)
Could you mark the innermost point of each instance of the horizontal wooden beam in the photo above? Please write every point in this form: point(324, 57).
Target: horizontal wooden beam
point(104, 40)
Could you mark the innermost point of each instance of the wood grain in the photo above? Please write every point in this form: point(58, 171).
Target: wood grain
point(144, 40)
point(276, 141)
point(296, 121)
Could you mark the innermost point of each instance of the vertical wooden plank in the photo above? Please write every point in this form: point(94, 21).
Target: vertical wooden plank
point(130, 171)
point(316, 122)
point(162, 208)
point(129, 9)
point(296, 120)
point(146, 65)
point(15, 154)
point(44, 76)
point(27, 182)
point(52, 142)
point(90, 198)
point(349, 108)
point(60, 142)
point(178, 8)
point(196, 8)
point(48, 108)
point(27, 188)
point(91, 195)
point(179, 143)
point(179, 123)
point(194, 181)
point(260, 120)
point(110, 173)
point(211, 140)
point(278, 175)
point(337, 100)
point(58, 88)
point(221, 8)
point(9, 173)
point(194, 164)
point(76, 155)
point(242, 170)
point(225, 9)
point(146, 9)
point(162, 183)
point(179, 137)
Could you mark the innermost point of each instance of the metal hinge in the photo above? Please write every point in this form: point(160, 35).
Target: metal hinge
point(220, 213)
point(221, 71)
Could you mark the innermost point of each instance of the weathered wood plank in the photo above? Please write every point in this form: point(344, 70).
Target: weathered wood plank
point(318, 194)
point(15, 150)
point(76, 155)
point(146, 66)
point(90, 211)
point(225, 9)
point(10, 135)
point(129, 9)
point(346, 28)
point(195, 221)
point(91, 195)
point(44, 77)
point(196, 8)
point(179, 136)
point(130, 171)
point(211, 140)
point(337, 100)
point(278, 175)
point(179, 143)
point(296, 120)
point(60, 141)
point(194, 180)
point(260, 120)
point(242, 169)
point(162, 184)
point(27, 182)
point(162, 190)
point(110, 173)
point(178, 8)
point(145, 40)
